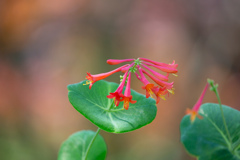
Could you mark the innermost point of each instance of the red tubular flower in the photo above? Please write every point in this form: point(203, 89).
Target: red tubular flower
point(158, 75)
point(117, 61)
point(194, 111)
point(127, 94)
point(149, 87)
point(168, 86)
point(161, 80)
point(167, 69)
point(117, 95)
point(173, 65)
point(93, 78)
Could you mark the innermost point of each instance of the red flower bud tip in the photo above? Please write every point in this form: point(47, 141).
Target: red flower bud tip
point(118, 61)
point(194, 111)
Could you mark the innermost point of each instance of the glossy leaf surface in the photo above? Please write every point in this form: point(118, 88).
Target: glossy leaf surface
point(94, 105)
point(75, 147)
point(207, 138)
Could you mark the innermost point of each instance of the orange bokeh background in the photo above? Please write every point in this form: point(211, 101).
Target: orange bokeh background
point(46, 45)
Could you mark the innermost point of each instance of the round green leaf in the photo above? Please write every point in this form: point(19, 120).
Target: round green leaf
point(94, 105)
point(75, 147)
point(207, 138)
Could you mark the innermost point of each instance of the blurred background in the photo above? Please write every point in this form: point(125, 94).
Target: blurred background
point(46, 45)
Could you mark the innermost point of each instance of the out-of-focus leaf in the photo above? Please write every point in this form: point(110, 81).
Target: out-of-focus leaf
point(207, 138)
point(75, 147)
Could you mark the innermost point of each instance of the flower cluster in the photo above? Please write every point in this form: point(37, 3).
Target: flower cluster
point(142, 66)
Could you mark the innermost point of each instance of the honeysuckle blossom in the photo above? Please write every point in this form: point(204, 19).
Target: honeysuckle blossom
point(149, 87)
point(167, 69)
point(117, 95)
point(173, 65)
point(168, 86)
point(127, 94)
point(194, 111)
point(142, 65)
point(93, 78)
point(158, 75)
point(160, 92)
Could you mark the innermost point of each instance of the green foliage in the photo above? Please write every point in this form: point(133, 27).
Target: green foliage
point(207, 138)
point(75, 147)
point(96, 107)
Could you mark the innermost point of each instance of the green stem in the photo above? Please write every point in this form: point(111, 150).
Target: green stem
point(91, 143)
point(111, 106)
point(224, 120)
point(236, 147)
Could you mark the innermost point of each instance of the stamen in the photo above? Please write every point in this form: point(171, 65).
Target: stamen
point(87, 83)
point(163, 97)
point(150, 92)
point(171, 90)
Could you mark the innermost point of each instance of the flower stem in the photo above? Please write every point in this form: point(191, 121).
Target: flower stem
point(214, 89)
point(91, 143)
point(111, 106)
point(224, 120)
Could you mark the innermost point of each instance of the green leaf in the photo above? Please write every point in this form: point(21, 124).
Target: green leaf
point(207, 138)
point(94, 105)
point(75, 147)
